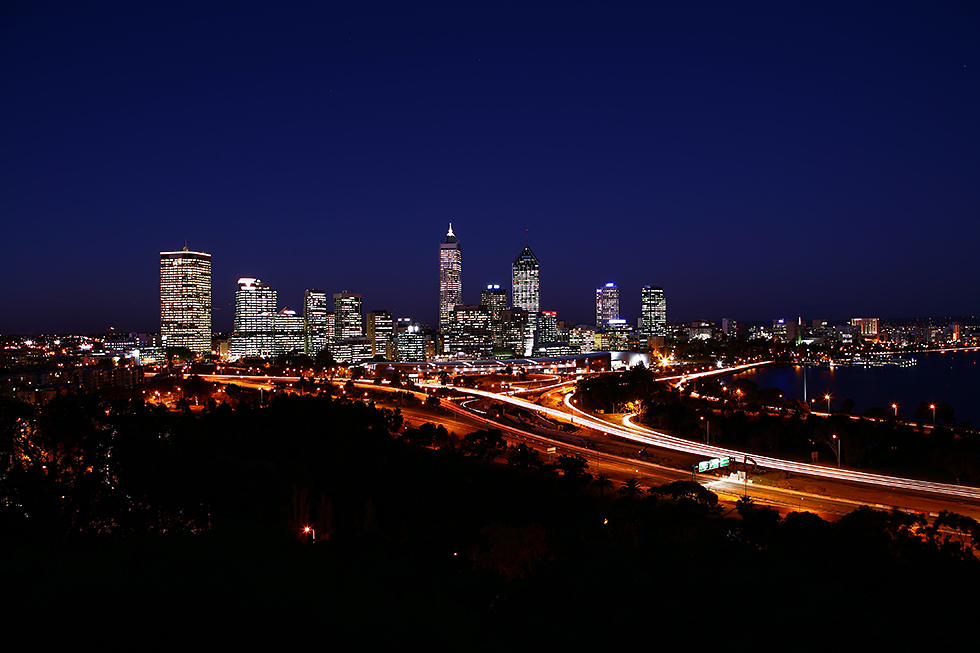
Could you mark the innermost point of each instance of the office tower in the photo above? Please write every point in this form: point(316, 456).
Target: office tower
point(289, 331)
point(410, 342)
point(380, 331)
point(255, 310)
point(516, 331)
point(548, 327)
point(653, 311)
point(450, 278)
point(495, 299)
point(185, 300)
point(315, 321)
point(582, 338)
point(606, 304)
point(347, 315)
point(470, 335)
point(526, 278)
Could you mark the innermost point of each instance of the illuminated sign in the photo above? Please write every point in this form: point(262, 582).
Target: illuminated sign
point(714, 463)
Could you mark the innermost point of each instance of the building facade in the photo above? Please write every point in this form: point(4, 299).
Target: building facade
point(380, 331)
point(255, 313)
point(526, 282)
point(315, 321)
point(606, 304)
point(347, 319)
point(495, 299)
point(653, 311)
point(450, 278)
point(290, 330)
point(185, 300)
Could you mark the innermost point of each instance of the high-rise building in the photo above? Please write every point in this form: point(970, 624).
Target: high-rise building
point(380, 331)
point(470, 335)
point(653, 311)
point(495, 299)
point(315, 325)
point(410, 343)
point(185, 300)
point(606, 304)
point(548, 327)
point(515, 330)
point(526, 278)
point(289, 332)
point(347, 322)
point(255, 312)
point(450, 278)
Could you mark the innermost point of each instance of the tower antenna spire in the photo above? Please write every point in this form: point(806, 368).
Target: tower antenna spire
point(525, 237)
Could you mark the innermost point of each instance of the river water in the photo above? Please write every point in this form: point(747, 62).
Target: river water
point(952, 377)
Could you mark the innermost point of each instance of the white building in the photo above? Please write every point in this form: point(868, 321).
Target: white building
point(255, 313)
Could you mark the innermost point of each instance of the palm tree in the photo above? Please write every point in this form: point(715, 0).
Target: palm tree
point(631, 488)
point(602, 482)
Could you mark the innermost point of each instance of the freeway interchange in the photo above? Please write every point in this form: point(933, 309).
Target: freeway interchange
point(623, 449)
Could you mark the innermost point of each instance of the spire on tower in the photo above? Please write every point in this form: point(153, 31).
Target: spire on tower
point(450, 230)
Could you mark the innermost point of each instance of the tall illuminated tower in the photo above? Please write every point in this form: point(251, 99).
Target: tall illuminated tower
point(526, 278)
point(347, 321)
point(606, 304)
point(495, 299)
point(653, 311)
point(450, 279)
point(185, 300)
point(255, 316)
point(315, 321)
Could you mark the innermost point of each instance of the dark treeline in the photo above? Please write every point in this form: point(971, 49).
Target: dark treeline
point(159, 524)
point(745, 417)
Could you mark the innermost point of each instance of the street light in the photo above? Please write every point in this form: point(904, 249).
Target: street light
point(827, 397)
point(933, 406)
point(311, 531)
point(895, 408)
point(838, 449)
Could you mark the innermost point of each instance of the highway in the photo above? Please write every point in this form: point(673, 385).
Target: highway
point(831, 490)
point(633, 432)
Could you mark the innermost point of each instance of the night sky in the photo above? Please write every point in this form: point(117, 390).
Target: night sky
point(757, 160)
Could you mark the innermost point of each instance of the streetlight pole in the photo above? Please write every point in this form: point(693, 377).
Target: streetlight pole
point(933, 407)
point(837, 440)
point(827, 397)
point(895, 408)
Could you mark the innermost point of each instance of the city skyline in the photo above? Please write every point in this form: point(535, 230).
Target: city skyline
point(754, 161)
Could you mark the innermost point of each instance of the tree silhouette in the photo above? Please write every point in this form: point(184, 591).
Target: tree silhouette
point(630, 489)
point(602, 482)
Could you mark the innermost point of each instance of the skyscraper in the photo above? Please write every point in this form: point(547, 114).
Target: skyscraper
point(653, 311)
point(347, 315)
point(495, 299)
point(255, 316)
point(185, 300)
point(450, 278)
point(315, 316)
point(525, 275)
point(606, 304)
point(380, 331)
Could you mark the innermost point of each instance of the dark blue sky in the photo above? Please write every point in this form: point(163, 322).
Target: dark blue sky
point(757, 160)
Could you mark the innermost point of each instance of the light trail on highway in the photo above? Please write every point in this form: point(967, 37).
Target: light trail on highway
point(654, 438)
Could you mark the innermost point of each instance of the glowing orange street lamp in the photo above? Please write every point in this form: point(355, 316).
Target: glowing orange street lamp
point(827, 397)
point(933, 406)
point(895, 408)
point(311, 531)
